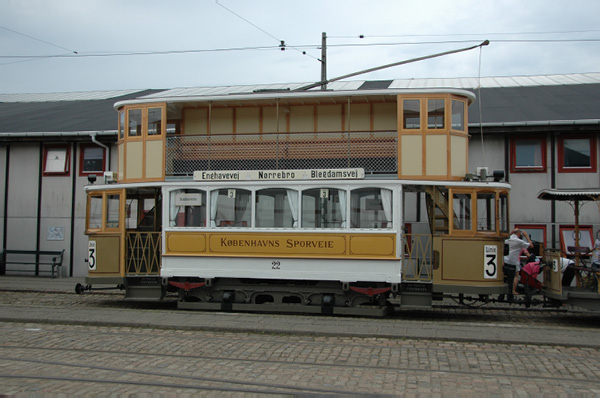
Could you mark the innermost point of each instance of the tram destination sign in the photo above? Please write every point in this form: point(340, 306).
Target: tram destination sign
point(279, 175)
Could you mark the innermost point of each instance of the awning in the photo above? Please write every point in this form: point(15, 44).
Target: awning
point(566, 195)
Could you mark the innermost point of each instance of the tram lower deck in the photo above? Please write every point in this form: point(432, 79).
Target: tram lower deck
point(314, 243)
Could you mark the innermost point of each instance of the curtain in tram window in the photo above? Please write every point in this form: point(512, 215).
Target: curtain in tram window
point(343, 210)
point(386, 200)
point(293, 201)
point(242, 198)
point(214, 199)
point(174, 210)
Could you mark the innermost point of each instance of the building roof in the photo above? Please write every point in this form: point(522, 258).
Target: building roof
point(505, 101)
point(61, 112)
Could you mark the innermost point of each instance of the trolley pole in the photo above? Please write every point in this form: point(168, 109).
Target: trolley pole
point(324, 60)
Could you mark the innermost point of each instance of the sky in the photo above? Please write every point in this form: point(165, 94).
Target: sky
point(87, 45)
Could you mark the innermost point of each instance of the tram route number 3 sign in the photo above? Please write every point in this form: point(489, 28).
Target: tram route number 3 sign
point(490, 261)
point(92, 255)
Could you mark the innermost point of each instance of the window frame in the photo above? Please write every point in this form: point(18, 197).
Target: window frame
point(82, 148)
point(529, 169)
point(67, 169)
point(561, 152)
point(104, 212)
point(473, 212)
point(571, 227)
point(494, 207)
point(537, 227)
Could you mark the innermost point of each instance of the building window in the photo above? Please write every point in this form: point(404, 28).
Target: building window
point(92, 160)
point(528, 155)
point(577, 154)
point(568, 239)
point(537, 234)
point(56, 160)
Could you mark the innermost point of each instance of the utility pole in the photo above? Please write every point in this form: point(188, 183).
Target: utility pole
point(324, 60)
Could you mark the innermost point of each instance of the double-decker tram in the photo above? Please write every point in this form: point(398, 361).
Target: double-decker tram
point(339, 201)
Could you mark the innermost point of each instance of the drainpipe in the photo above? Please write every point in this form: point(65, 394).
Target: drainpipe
point(93, 137)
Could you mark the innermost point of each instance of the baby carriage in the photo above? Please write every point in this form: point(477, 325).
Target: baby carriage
point(528, 281)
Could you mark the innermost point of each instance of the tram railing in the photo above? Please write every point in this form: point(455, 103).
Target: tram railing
point(375, 151)
point(417, 264)
point(143, 253)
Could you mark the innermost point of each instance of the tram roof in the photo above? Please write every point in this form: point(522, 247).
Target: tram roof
point(410, 185)
point(240, 95)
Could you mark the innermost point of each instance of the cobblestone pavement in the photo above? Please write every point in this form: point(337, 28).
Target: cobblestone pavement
point(66, 360)
point(60, 344)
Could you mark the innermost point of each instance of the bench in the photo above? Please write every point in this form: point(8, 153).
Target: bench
point(31, 257)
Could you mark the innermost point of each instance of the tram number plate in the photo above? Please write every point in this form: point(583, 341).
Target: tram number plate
point(275, 265)
point(490, 261)
point(92, 255)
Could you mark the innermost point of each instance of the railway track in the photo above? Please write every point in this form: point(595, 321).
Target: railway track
point(56, 358)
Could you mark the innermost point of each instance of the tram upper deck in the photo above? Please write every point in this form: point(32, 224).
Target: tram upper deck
point(412, 134)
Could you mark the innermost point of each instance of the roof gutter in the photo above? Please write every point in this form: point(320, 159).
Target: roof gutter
point(46, 134)
point(538, 123)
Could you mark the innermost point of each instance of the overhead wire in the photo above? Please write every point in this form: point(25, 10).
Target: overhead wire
point(282, 45)
point(40, 40)
point(469, 34)
point(82, 54)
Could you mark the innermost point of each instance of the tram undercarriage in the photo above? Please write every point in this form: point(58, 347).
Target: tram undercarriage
point(327, 297)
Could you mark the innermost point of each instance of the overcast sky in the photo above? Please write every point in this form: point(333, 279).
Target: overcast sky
point(394, 30)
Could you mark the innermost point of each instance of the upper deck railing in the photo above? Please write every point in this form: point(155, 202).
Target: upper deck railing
point(375, 151)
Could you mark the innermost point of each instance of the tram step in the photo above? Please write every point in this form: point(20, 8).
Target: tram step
point(415, 300)
point(143, 293)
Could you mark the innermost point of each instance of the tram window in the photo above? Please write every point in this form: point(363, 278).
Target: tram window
point(95, 218)
point(121, 124)
point(458, 115)
point(147, 214)
point(503, 212)
point(276, 208)
point(154, 121)
point(112, 211)
point(461, 205)
point(131, 213)
point(435, 113)
point(371, 208)
point(187, 208)
point(135, 123)
point(230, 208)
point(411, 117)
point(486, 212)
point(324, 208)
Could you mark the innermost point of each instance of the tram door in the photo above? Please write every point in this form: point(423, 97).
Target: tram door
point(104, 228)
point(143, 221)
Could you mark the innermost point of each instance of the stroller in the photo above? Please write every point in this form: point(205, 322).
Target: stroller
point(528, 282)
